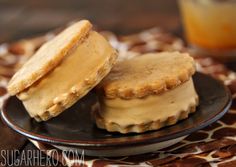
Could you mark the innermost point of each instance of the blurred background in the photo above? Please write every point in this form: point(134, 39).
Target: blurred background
point(25, 18)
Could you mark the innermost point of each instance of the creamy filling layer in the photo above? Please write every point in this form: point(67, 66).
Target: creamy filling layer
point(79, 64)
point(151, 108)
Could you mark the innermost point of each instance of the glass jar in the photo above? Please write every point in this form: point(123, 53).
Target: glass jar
point(210, 26)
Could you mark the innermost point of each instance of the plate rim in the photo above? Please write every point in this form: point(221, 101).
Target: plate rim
point(98, 145)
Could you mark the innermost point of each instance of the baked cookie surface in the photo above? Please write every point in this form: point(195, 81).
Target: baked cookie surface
point(48, 56)
point(150, 73)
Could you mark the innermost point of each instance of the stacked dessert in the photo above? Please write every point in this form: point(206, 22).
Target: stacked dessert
point(136, 95)
point(147, 93)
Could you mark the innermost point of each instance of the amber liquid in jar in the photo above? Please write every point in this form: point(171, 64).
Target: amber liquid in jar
point(210, 24)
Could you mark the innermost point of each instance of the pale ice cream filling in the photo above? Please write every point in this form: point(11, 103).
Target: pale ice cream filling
point(125, 112)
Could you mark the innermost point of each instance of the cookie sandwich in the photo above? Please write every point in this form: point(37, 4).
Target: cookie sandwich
point(147, 92)
point(62, 71)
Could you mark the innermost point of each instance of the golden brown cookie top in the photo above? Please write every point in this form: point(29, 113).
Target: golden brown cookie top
point(76, 75)
point(151, 73)
point(49, 56)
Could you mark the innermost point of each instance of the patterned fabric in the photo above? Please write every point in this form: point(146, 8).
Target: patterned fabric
point(214, 145)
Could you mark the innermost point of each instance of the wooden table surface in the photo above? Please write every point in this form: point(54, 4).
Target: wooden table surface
point(23, 18)
point(27, 18)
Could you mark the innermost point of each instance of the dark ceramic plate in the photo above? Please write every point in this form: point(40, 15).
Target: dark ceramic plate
point(74, 127)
